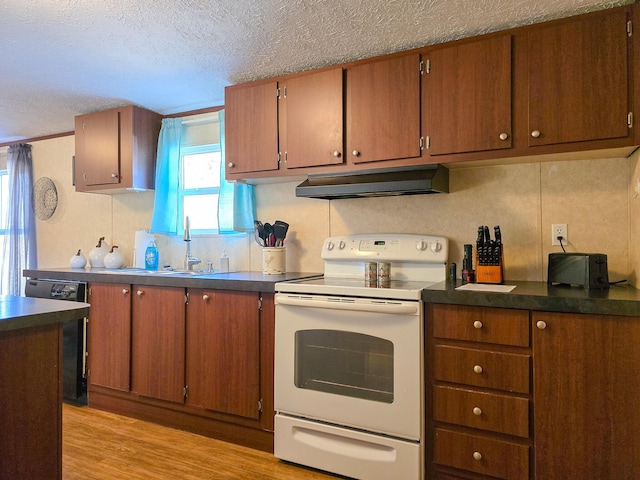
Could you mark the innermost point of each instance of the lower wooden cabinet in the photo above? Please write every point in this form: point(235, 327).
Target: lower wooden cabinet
point(223, 352)
point(562, 408)
point(481, 454)
point(586, 391)
point(109, 336)
point(487, 411)
point(204, 364)
point(479, 400)
point(158, 342)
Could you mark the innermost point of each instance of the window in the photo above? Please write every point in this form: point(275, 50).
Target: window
point(4, 204)
point(199, 187)
point(190, 181)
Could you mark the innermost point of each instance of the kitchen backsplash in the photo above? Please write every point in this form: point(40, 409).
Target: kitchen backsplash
point(595, 198)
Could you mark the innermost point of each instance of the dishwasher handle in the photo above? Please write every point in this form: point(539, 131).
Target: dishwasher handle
point(353, 304)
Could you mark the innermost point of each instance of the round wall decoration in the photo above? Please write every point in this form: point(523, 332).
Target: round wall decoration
point(45, 198)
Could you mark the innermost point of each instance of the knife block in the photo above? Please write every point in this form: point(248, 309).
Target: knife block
point(490, 273)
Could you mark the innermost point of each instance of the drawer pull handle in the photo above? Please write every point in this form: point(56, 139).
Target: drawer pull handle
point(541, 325)
point(477, 411)
point(477, 369)
point(477, 324)
point(477, 455)
point(139, 293)
point(125, 291)
point(205, 297)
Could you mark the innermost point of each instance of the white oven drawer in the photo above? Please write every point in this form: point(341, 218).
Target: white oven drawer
point(346, 452)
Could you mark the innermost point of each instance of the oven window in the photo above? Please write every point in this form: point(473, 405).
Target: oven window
point(344, 363)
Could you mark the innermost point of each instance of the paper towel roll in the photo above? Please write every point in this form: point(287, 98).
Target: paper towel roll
point(142, 239)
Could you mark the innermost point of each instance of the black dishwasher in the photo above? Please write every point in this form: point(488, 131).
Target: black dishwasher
point(74, 343)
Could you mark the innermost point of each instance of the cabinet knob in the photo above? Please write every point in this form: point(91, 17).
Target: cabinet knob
point(230, 165)
point(541, 325)
point(139, 293)
point(504, 136)
point(355, 153)
point(125, 291)
point(205, 297)
point(477, 368)
point(114, 175)
point(336, 153)
point(535, 133)
point(477, 456)
point(477, 324)
point(477, 411)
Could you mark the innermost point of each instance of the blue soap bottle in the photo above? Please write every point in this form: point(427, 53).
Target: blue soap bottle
point(151, 256)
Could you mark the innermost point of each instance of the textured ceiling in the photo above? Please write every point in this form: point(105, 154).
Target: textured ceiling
point(61, 58)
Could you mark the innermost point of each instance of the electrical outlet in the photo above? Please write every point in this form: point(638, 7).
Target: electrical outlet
point(559, 230)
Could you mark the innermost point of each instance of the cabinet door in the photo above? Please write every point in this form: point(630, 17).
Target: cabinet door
point(467, 97)
point(158, 342)
point(578, 80)
point(223, 351)
point(109, 335)
point(97, 137)
point(311, 109)
point(383, 110)
point(586, 371)
point(251, 130)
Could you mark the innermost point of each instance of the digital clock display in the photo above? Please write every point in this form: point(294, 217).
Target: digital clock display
point(379, 242)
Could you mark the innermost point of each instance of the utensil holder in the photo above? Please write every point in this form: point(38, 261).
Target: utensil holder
point(490, 273)
point(274, 260)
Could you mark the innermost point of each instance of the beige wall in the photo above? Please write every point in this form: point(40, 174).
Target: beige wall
point(596, 198)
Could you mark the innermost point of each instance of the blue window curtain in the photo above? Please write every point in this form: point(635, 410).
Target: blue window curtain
point(165, 206)
point(20, 247)
point(236, 204)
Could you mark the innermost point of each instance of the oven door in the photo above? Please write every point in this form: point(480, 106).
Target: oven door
point(352, 362)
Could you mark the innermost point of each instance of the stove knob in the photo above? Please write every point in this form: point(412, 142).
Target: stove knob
point(341, 245)
point(421, 245)
point(330, 246)
point(436, 247)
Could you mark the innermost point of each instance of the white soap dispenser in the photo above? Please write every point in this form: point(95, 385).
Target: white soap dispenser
point(224, 262)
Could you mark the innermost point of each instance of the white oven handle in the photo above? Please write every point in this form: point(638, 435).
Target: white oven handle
point(337, 303)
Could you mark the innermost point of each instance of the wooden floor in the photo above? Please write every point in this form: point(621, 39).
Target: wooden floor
point(103, 446)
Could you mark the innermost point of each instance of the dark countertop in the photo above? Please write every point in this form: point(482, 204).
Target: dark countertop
point(21, 312)
point(244, 281)
point(617, 300)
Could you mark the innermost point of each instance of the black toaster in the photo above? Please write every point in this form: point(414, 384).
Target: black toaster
point(588, 270)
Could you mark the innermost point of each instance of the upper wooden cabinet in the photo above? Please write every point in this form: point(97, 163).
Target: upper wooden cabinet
point(116, 150)
point(251, 128)
point(467, 97)
point(577, 80)
point(311, 119)
point(564, 86)
point(383, 110)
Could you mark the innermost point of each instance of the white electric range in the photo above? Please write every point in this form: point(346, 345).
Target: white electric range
point(349, 358)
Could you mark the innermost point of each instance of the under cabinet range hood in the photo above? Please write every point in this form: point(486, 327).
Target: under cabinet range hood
point(417, 180)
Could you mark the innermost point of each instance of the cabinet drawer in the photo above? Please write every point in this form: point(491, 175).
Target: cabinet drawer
point(498, 413)
point(481, 324)
point(481, 455)
point(481, 368)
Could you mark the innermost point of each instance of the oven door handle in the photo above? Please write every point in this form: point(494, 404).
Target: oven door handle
point(395, 308)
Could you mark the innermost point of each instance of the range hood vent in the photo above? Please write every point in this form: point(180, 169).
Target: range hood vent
point(376, 183)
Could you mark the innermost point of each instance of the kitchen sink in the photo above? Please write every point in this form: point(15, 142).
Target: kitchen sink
point(175, 273)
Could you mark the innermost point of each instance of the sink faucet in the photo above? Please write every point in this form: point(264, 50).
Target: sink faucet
point(189, 260)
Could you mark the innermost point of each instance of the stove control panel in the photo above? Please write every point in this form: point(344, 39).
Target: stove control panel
point(389, 247)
